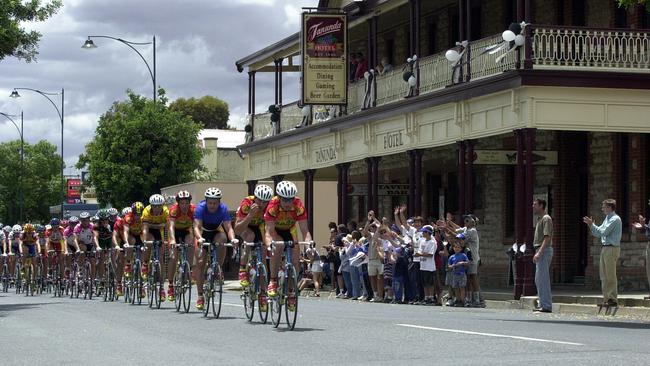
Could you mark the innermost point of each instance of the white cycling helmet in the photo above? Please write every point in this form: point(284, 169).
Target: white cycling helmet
point(7, 228)
point(126, 211)
point(183, 195)
point(157, 200)
point(263, 192)
point(112, 212)
point(286, 189)
point(84, 215)
point(17, 228)
point(213, 192)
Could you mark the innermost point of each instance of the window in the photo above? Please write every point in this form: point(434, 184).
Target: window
point(476, 22)
point(622, 204)
point(509, 12)
point(509, 192)
point(389, 50)
point(578, 13)
point(431, 37)
point(620, 16)
point(454, 35)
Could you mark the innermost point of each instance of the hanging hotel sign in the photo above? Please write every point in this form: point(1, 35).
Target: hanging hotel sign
point(509, 157)
point(324, 58)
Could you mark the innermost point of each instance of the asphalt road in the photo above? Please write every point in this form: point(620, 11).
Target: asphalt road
point(44, 330)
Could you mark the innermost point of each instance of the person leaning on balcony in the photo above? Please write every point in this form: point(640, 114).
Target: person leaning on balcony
point(609, 233)
point(353, 65)
point(362, 67)
point(642, 224)
point(386, 66)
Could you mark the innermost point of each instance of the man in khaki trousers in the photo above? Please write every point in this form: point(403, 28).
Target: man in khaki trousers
point(609, 233)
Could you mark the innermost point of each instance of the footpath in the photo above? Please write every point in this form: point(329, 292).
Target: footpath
point(571, 301)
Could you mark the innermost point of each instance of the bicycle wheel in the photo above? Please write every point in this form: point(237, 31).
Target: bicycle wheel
point(262, 284)
point(177, 285)
point(208, 287)
point(110, 287)
point(291, 307)
point(249, 295)
point(18, 277)
point(151, 285)
point(160, 283)
point(28, 281)
point(106, 283)
point(5, 278)
point(217, 291)
point(187, 287)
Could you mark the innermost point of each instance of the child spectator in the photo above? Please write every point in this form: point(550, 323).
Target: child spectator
point(426, 251)
point(400, 276)
point(458, 263)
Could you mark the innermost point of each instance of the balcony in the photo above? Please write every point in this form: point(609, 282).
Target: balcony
point(546, 48)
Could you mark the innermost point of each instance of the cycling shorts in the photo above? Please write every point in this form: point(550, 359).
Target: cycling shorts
point(56, 246)
point(31, 249)
point(105, 243)
point(258, 232)
point(181, 234)
point(286, 235)
point(157, 234)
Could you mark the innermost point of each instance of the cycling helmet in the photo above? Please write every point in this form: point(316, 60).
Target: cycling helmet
point(183, 195)
point(84, 215)
point(213, 192)
point(29, 228)
point(94, 218)
point(263, 192)
point(7, 228)
point(40, 228)
point(126, 211)
point(112, 211)
point(157, 200)
point(137, 208)
point(73, 220)
point(1, 225)
point(17, 228)
point(286, 189)
point(102, 214)
point(48, 227)
point(55, 222)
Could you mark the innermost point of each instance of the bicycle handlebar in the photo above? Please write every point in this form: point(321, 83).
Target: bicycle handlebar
point(217, 244)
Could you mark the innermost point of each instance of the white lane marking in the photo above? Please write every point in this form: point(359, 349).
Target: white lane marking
point(236, 305)
point(490, 334)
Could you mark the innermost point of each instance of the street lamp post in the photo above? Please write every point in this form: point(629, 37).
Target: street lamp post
point(14, 94)
point(22, 160)
point(89, 44)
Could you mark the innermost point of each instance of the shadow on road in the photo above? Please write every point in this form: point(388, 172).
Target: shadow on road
point(299, 330)
point(602, 324)
point(5, 308)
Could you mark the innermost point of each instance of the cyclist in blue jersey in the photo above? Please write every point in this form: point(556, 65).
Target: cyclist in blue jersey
point(211, 224)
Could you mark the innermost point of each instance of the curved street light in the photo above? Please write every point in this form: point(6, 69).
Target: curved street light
point(14, 94)
point(22, 158)
point(89, 44)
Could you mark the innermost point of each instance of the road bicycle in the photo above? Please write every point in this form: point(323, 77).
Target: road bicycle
point(54, 280)
point(135, 283)
point(73, 282)
point(6, 278)
point(258, 282)
point(288, 292)
point(108, 281)
point(155, 280)
point(86, 277)
point(40, 282)
point(182, 280)
point(213, 283)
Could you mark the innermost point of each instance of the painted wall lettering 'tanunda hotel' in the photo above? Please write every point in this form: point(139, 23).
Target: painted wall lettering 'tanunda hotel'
point(556, 107)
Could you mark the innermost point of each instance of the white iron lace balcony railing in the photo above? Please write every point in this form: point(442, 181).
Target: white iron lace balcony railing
point(435, 73)
point(621, 50)
point(391, 86)
point(356, 92)
point(484, 64)
point(290, 117)
point(262, 126)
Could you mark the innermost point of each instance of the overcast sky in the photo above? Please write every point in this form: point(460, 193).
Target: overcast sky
point(198, 42)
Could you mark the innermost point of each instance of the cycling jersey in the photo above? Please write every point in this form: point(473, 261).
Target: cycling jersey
point(29, 239)
point(211, 220)
point(135, 225)
point(285, 219)
point(14, 240)
point(182, 221)
point(56, 238)
point(105, 235)
point(84, 234)
point(118, 226)
point(150, 218)
point(245, 208)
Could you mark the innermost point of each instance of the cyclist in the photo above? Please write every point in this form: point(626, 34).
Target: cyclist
point(133, 235)
point(29, 240)
point(83, 237)
point(113, 215)
point(103, 239)
point(118, 243)
point(54, 240)
point(155, 220)
point(13, 245)
point(209, 216)
point(40, 230)
point(283, 214)
point(250, 224)
point(71, 244)
point(181, 215)
point(3, 239)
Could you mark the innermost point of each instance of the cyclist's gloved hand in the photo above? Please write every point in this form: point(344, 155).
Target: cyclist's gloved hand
point(235, 241)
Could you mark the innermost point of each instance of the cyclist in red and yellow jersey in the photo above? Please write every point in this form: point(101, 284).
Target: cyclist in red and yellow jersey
point(118, 243)
point(283, 214)
point(29, 240)
point(155, 219)
point(250, 224)
point(132, 232)
point(54, 240)
point(181, 219)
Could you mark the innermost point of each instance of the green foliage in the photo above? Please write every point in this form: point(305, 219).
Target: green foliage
point(139, 147)
point(14, 39)
point(209, 111)
point(630, 3)
point(42, 181)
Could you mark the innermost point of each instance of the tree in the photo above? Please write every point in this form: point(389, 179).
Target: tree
point(209, 111)
point(14, 39)
point(630, 3)
point(41, 184)
point(139, 147)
